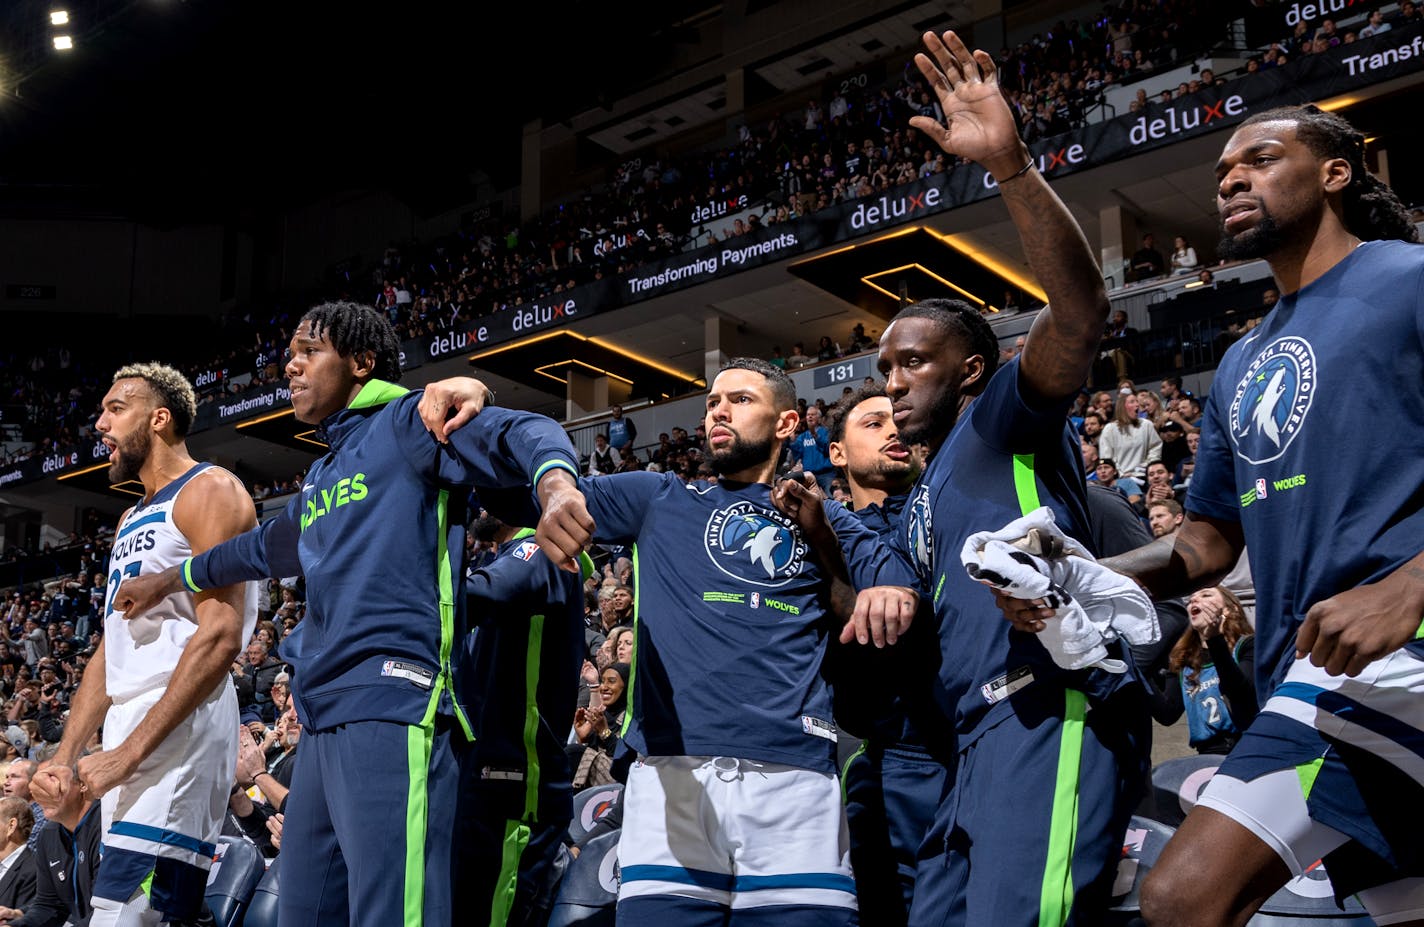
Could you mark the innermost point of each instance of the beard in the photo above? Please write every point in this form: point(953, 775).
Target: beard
point(892, 476)
point(1262, 240)
point(739, 455)
point(133, 454)
point(937, 422)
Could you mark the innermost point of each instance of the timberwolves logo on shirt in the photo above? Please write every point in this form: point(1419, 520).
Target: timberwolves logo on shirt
point(919, 531)
point(1272, 400)
point(754, 545)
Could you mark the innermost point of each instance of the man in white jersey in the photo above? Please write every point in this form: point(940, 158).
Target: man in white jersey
point(159, 685)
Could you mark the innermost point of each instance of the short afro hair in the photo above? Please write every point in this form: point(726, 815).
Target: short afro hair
point(170, 388)
point(842, 409)
point(961, 321)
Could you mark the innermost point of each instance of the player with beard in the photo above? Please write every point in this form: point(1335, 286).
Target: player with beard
point(159, 688)
point(893, 783)
point(1331, 766)
point(732, 816)
point(1050, 762)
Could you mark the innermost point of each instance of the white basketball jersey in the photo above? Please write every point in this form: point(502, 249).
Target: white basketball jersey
point(147, 541)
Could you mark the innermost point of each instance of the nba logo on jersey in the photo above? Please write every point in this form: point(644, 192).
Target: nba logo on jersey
point(756, 600)
point(526, 551)
point(1260, 489)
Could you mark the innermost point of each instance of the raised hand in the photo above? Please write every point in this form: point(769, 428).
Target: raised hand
point(979, 125)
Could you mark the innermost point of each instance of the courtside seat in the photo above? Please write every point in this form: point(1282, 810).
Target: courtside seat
point(588, 893)
point(591, 804)
point(236, 871)
point(262, 911)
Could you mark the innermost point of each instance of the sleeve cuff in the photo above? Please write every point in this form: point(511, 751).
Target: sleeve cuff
point(558, 463)
point(187, 573)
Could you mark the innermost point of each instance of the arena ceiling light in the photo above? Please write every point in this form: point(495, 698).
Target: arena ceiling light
point(63, 42)
point(59, 17)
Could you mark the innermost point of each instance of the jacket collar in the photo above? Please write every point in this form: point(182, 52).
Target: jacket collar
point(375, 394)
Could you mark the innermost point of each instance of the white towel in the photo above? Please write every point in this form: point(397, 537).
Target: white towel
point(1030, 558)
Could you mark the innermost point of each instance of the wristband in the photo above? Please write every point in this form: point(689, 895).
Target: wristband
point(1019, 173)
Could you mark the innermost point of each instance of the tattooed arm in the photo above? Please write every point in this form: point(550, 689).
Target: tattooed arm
point(1198, 554)
point(979, 126)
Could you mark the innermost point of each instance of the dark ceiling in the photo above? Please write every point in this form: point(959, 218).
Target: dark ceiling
point(171, 110)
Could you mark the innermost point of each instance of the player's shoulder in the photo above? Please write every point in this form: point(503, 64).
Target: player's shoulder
point(211, 493)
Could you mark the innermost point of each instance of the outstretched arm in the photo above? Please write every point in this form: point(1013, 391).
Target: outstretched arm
point(979, 126)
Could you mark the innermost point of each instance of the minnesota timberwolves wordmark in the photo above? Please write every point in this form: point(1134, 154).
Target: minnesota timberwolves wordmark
point(754, 545)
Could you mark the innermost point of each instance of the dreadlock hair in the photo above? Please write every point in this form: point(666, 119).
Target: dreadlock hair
point(1372, 212)
point(355, 329)
point(170, 388)
point(783, 391)
point(842, 409)
point(961, 321)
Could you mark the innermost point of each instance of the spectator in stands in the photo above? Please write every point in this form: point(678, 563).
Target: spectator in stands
point(70, 847)
point(1210, 674)
point(1375, 26)
point(1408, 14)
point(1108, 478)
point(1174, 445)
point(621, 431)
point(777, 360)
point(596, 726)
point(1089, 450)
point(798, 358)
point(1150, 408)
point(254, 680)
point(17, 785)
point(1159, 484)
point(1164, 517)
point(1115, 347)
point(828, 349)
point(811, 450)
point(1092, 429)
point(18, 873)
point(1184, 256)
point(1129, 440)
point(859, 340)
point(1147, 261)
point(601, 461)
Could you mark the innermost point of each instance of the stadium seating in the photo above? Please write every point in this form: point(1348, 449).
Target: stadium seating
point(590, 805)
point(235, 874)
point(589, 892)
point(262, 911)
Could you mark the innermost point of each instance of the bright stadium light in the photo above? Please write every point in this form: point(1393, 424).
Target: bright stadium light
point(59, 17)
point(63, 42)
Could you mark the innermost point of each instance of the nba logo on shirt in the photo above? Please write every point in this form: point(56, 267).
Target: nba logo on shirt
point(1260, 489)
point(526, 551)
point(388, 667)
point(756, 600)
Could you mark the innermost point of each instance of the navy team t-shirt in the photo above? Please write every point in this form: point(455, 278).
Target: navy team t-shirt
point(1313, 439)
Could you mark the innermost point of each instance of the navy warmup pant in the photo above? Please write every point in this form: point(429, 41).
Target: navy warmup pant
point(891, 798)
point(370, 817)
point(1032, 829)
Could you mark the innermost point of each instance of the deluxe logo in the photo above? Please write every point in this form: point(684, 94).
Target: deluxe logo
point(457, 341)
point(100, 451)
point(866, 217)
point(718, 209)
point(59, 461)
point(1048, 162)
point(1305, 12)
point(536, 316)
point(1177, 120)
point(210, 377)
point(323, 501)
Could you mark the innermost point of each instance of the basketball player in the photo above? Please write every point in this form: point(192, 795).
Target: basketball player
point(894, 782)
point(378, 531)
point(160, 688)
point(732, 816)
point(1332, 765)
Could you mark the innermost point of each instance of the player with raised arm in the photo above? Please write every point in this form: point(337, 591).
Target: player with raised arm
point(1332, 765)
point(733, 814)
point(159, 687)
point(1050, 761)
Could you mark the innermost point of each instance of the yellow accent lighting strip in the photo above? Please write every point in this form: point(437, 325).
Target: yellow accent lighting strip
point(1003, 270)
point(267, 418)
point(598, 370)
point(78, 473)
point(867, 280)
point(623, 352)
